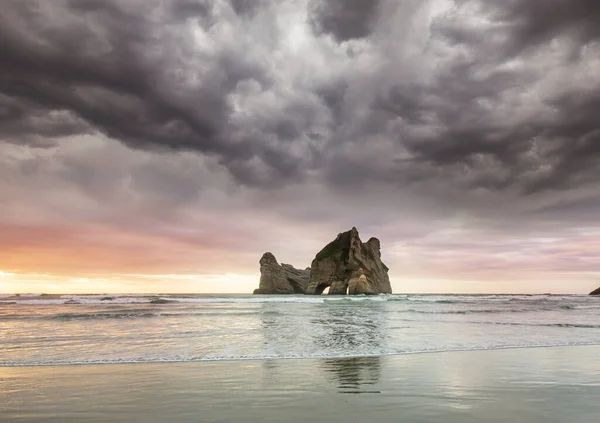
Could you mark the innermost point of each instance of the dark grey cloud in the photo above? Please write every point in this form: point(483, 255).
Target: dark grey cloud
point(483, 95)
point(133, 77)
point(532, 155)
point(533, 23)
point(26, 122)
point(247, 7)
point(91, 64)
point(344, 19)
point(461, 121)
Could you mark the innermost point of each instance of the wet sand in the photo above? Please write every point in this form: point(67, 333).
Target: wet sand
point(560, 384)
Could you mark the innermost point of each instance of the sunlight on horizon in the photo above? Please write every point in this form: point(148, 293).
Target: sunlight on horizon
point(237, 283)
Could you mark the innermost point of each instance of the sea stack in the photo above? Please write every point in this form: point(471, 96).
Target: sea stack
point(282, 278)
point(596, 292)
point(345, 266)
point(349, 266)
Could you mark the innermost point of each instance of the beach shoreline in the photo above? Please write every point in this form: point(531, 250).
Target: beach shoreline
point(555, 384)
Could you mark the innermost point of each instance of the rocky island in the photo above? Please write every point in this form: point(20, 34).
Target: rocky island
point(346, 266)
point(595, 292)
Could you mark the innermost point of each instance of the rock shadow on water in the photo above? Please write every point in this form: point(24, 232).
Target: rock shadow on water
point(355, 375)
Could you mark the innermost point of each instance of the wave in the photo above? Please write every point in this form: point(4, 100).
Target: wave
point(89, 316)
point(290, 356)
point(583, 307)
point(149, 314)
point(549, 325)
point(253, 299)
point(142, 314)
point(165, 312)
point(466, 311)
point(167, 300)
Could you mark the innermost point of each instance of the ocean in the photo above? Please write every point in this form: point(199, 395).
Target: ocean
point(269, 358)
point(99, 329)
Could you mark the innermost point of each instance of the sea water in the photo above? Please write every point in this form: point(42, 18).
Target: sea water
point(96, 329)
point(273, 359)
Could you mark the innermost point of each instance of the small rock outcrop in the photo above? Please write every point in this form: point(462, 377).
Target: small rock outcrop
point(595, 292)
point(281, 279)
point(349, 266)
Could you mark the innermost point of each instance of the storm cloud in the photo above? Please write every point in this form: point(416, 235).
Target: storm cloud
point(458, 87)
point(303, 112)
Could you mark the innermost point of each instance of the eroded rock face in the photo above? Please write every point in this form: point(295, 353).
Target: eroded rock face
point(596, 292)
point(347, 265)
point(281, 279)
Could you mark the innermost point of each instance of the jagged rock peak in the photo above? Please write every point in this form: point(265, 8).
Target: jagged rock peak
point(268, 258)
point(348, 266)
point(595, 292)
point(281, 279)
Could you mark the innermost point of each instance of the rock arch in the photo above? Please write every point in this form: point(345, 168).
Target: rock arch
point(346, 266)
point(350, 266)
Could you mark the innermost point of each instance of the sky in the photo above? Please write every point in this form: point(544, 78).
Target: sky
point(164, 146)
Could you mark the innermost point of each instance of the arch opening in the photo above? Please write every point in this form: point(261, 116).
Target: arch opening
point(321, 288)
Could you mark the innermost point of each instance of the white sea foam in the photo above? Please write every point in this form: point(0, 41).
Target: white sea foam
point(290, 356)
point(32, 301)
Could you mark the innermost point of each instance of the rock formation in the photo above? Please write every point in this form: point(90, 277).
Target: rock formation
point(281, 279)
point(345, 266)
point(596, 292)
point(349, 266)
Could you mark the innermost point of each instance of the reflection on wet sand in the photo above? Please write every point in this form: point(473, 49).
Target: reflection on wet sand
point(355, 375)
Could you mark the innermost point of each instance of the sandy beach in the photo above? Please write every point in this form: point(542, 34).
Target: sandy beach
point(560, 384)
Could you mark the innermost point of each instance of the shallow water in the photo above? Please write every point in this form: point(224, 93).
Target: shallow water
point(533, 385)
point(59, 330)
